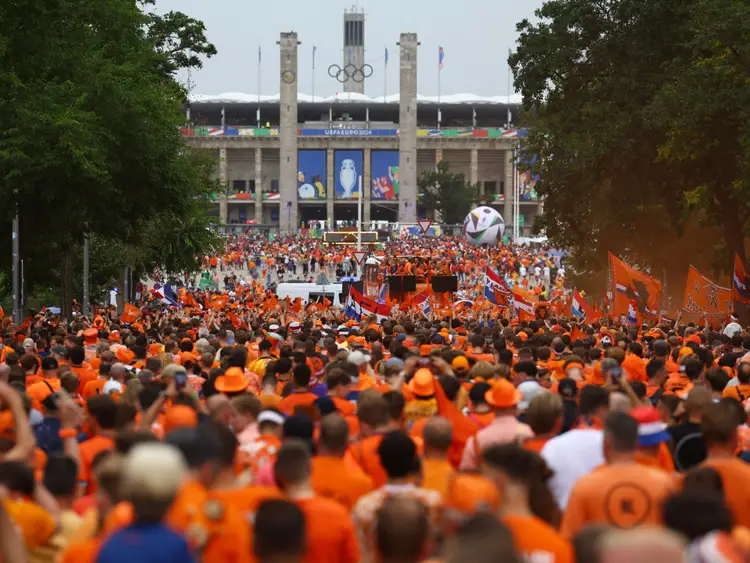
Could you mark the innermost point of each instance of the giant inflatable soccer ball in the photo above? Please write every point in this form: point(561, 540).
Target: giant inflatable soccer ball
point(483, 225)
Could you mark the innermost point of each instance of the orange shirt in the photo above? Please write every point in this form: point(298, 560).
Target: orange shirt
point(334, 478)
point(535, 444)
point(85, 374)
point(41, 390)
point(35, 524)
point(437, 474)
point(535, 540)
point(623, 495)
point(92, 388)
point(84, 551)
point(288, 404)
point(345, 408)
point(738, 392)
point(365, 453)
point(735, 474)
point(331, 537)
point(227, 536)
point(88, 450)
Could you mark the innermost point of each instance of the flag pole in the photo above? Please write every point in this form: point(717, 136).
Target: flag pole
point(258, 113)
point(510, 79)
point(385, 75)
point(440, 71)
point(313, 75)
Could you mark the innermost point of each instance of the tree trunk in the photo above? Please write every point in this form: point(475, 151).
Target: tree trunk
point(66, 283)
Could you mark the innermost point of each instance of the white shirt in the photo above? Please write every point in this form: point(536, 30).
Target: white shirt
point(571, 456)
point(731, 328)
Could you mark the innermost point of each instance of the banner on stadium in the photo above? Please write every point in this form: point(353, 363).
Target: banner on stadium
point(635, 293)
point(704, 297)
point(357, 306)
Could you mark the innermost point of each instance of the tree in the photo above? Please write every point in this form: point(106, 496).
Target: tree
point(90, 140)
point(638, 153)
point(448, 193)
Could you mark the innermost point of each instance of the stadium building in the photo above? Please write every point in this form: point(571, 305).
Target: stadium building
point(295, 161)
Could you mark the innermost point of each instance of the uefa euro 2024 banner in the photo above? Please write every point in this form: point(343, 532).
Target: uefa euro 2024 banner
point(385, 177)
point(311, 174)
point(347, 170)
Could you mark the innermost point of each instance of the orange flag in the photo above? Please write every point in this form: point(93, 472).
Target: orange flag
point(631, 285)
point(705, 297)
point(130, 314)
point(576, 334)
point(2, 313)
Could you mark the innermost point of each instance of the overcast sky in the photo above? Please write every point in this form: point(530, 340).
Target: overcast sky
point(475, 35)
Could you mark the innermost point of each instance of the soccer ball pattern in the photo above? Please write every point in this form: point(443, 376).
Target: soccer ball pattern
point(484, 225)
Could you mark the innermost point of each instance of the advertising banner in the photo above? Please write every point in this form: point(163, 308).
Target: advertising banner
point(385, 177)
point(347, 170)
point(311, 174)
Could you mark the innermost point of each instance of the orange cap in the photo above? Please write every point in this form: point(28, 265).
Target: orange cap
point(423, 383)
point(124, 355)
point(179, 416)
point(503, 395)
point(460, 364)
point(155, 349)
point(425, 349)
point(91, 335)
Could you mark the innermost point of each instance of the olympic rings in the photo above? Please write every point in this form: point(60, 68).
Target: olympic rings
point(350, 71)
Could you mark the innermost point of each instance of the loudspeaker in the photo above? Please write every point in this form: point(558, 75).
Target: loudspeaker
point(402, 284)
point(443, 284)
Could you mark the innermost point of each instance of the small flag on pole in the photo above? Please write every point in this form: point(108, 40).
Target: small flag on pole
point(386, 56)
point(314, 49)
point(441, 55)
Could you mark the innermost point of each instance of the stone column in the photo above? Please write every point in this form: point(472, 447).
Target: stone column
point(367, 188)
point(224, 181)
point(330, 188)
point(259, 186)
point(438, 156)
point(288, 222)
point(508, 191)
point(407, 140)
point(474, 169)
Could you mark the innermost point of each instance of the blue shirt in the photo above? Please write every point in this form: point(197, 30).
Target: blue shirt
point(47, 438)
point(145, 543)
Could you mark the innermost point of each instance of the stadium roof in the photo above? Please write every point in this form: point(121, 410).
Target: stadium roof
point(353, 98)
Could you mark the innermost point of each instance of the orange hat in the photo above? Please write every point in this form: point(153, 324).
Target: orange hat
point(503, 395)
point(179, 416)
point(423, 383)
point(460, 364)
point(137, 327)
point(693, 338)
point(98, 321)
point(425, 349)
point(124, 355)
point(91, 335)
point(114, 336)
point(155, 349)
point(232, 381)
point(523, 336)
point(685, 351)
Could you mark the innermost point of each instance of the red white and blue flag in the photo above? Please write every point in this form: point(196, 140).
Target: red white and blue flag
point(493, 282)
point(740, 282)
point(441, 56)
point(523, 307)
point(358, 306)
point(579, 308)
point(166, 295)
point(422, 302)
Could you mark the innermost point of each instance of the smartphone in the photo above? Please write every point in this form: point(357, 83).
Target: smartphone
point(180, 379)
point(616, 374)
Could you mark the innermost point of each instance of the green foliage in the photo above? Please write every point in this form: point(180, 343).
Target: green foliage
point(640, 115)
point(90, 140)
point(447, 193)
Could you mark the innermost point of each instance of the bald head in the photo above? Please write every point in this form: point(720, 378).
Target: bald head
point(218, 406)
point(334, 435)
point(438, 435)
point(117, 371)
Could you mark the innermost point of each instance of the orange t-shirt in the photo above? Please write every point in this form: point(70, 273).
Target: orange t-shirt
point(623, 495)
point(88, 450)
point(437, 474)
point(84, 551)
point(735, 474)
point(41, 390)
point(288, 404)
point(365, 453)
point(85, 374)
point(94, 387)
point(535, 444)
point(536, 540)
point(334, 478)
point(739, 392)
point(331, 537)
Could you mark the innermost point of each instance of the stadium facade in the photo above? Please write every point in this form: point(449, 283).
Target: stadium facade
point(294, 161)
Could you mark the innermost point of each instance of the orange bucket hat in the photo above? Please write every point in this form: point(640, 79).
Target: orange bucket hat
point(503, 395)
point(423, 383)
point(233, 381)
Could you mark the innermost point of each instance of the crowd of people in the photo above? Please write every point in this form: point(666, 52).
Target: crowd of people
point(237, 427)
